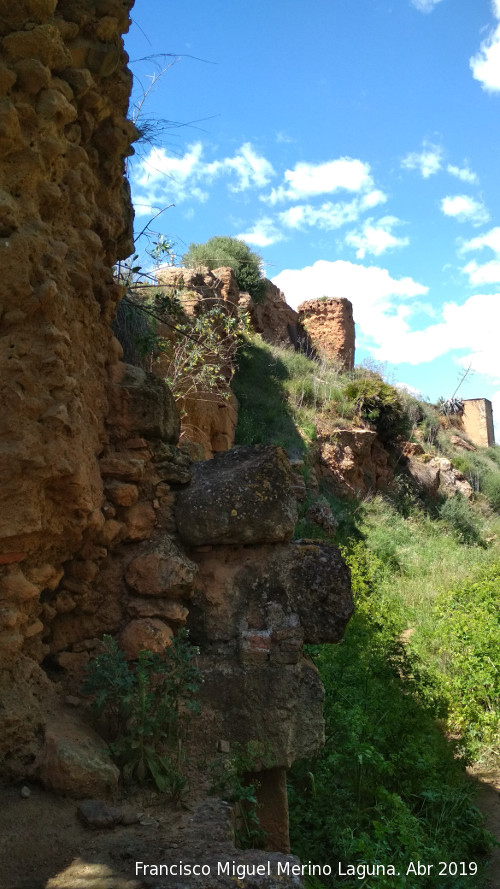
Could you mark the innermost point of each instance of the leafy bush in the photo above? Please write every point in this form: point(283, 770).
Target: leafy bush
point(482, 470)
point(458, 513)
point(381, 404)
point(142, 707)
point(233, 778)
point(226, 251)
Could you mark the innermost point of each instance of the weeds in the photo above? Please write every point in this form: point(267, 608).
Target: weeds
point(142, 708)
point(233, 778)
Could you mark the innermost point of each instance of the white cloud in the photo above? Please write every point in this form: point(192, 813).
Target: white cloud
point(383, 311)
point(488, 273)
point(376, 237)
point(465, 209)
point(161, 178)
point(485, 65)
point(364, 285)
point(425, 5)
point(428, 161)
point(490, 239)
point(308, 180)
point(410, 389)
point(462, 327)
point(329, 215)
point(263, 233)
point(250, 168)
point(463, 173)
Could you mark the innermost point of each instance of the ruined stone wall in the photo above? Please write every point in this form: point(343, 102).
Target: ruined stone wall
point(477, 421)
point(329, 324)
point(65, 218)
point(274, 319)
point(90, 541)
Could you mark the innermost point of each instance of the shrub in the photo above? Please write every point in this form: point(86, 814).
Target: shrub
point(380, 404)
point(458, 513)
point(226, 251)
point(234, 778)
point(142, 707)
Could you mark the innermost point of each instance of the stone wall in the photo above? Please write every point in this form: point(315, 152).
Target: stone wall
point(274, 319)
point(65, 218)
point(477, 421)
point(90, 540)
point(330, 326)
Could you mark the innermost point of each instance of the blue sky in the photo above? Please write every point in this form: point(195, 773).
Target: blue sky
point(355, 145)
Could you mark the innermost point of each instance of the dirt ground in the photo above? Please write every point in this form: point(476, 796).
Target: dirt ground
point(42, 837)
point(43, 844)
point(488, 801)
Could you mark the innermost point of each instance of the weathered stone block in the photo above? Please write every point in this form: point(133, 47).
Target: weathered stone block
point(241, 496)
point(163, 571)
point(140, 520)
point(144, 405)
point(145, 634)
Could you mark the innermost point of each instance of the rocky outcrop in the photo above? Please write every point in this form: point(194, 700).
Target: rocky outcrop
point(253, 609)
point(329, 325)
point(209, 421)
point(200, 288)
point(353, 461)
point(437, 475)
point(90, 542)
point(65, 218)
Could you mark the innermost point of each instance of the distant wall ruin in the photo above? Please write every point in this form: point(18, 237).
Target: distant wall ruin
point(478, 421)
point(329, 324)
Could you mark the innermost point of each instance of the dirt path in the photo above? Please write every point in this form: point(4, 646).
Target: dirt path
point(488, 801)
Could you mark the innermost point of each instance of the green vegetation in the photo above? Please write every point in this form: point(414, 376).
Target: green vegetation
point(226, 251)
point(142, 708)
point(420, 661)
point(282, 393)
point(386, 788)
point(234, 781)
point(481, 469)
point(196, 351)
point(461, 645)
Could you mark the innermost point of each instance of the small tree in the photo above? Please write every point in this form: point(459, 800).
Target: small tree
point(226, 251)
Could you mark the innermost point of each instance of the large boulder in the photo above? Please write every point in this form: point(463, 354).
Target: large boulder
point(75, 761)
point(274, 594)
point(241, 496)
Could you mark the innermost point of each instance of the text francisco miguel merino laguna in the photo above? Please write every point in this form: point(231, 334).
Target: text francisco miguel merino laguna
point(276, 868)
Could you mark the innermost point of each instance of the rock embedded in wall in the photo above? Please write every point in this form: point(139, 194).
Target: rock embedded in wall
point(241, 496)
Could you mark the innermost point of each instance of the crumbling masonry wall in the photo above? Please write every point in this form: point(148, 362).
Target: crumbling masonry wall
point(105, 527)
point(477, 421)
point(329, 324)
point(65, 218)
